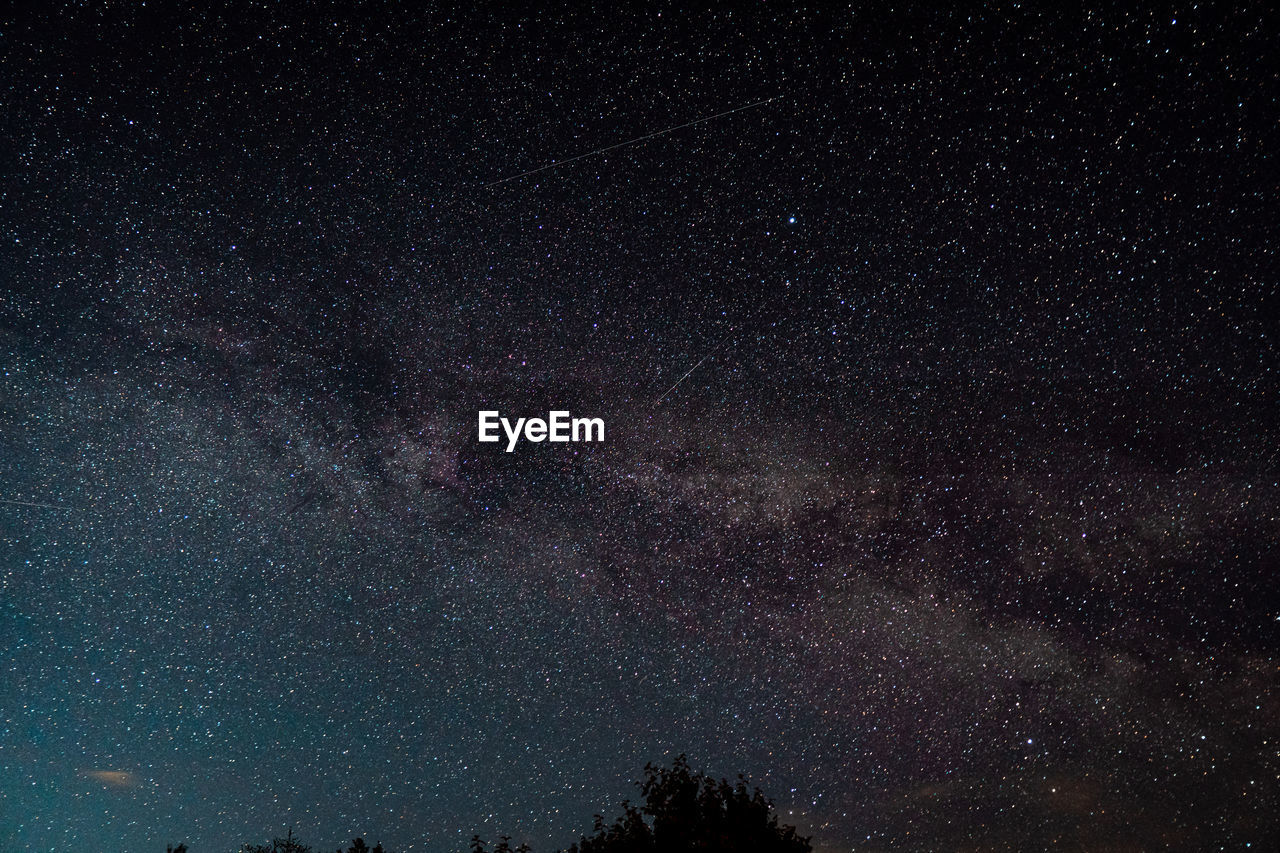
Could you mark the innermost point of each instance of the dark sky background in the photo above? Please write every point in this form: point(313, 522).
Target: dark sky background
point(963, 534)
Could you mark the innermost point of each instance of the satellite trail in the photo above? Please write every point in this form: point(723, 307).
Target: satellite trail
point(30, 503)
point(633, 141)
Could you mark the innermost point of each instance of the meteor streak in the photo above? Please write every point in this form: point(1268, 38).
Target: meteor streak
point(710, 353)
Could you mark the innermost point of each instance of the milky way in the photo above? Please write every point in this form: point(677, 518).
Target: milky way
point(939, 497)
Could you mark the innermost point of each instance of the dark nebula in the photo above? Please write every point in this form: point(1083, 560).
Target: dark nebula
point(962, 535)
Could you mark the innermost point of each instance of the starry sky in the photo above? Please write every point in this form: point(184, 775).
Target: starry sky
point(961, 534)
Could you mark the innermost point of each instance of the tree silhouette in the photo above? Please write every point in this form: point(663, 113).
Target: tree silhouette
point(289, 845)
point(504, 846)
point(278, 845)
point(684, 812)
point(358, 846)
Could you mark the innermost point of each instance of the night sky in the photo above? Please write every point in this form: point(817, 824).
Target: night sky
point(961, 533)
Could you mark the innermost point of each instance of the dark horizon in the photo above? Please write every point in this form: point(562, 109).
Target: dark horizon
point(935, 360)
